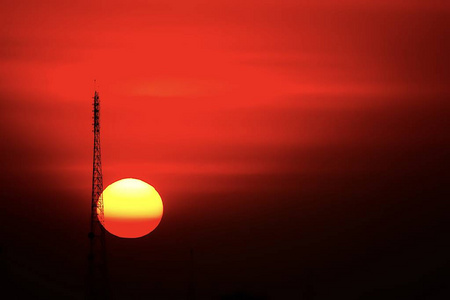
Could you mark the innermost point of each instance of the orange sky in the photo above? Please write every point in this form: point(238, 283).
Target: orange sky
point(228, 98)
point(210, 88)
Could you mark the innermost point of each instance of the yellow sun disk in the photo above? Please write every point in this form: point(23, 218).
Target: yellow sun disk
point(131, 198)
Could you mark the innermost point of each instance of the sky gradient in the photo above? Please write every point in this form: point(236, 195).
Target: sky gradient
point(299, 147)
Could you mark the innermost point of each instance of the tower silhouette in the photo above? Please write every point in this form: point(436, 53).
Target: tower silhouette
point(97, 285)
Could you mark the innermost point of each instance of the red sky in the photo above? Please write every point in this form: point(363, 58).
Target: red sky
point(232, 110)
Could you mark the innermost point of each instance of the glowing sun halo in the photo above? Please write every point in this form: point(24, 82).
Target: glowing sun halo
point(131, 208)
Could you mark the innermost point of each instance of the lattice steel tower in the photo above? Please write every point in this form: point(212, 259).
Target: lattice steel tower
point(97, 274)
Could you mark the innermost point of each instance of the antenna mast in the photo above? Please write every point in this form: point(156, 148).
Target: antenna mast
point(97, 276)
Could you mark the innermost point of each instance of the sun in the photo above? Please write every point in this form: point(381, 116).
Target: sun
point(131, 208)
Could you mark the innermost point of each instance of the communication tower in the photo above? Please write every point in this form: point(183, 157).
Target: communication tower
point(97, 272)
